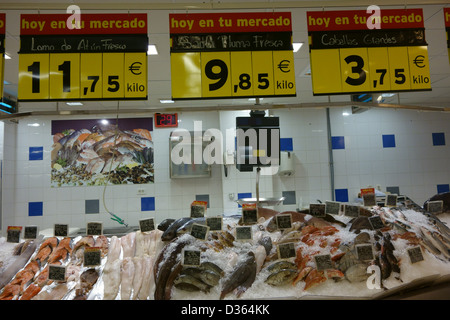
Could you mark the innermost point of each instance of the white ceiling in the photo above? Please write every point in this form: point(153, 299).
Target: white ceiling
point(159, 66)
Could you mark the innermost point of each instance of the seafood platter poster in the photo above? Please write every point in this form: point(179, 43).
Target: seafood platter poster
point(98, 151)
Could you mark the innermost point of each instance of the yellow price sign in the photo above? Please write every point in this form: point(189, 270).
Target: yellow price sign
point(231, 55)
point(106, 58)
point(326, 62)
point(419, 68)
point(232, 74)
point(64, 76)
point(283, 72)
point(186, 75)
point(135, 75)
point(113, 75)
point(263, 73)
point(240, 73)
point(380, 79)
point(91, 83)
point(83, 76)
point(34, 76)
point(399, 74)
point(348, 58)
point(354, 71)
point(370, 70)
point(215, 70)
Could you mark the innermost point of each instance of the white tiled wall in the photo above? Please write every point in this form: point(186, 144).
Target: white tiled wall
point(311, 181)
point(414, 165)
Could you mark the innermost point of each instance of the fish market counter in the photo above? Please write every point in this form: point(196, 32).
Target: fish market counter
point(384, 253)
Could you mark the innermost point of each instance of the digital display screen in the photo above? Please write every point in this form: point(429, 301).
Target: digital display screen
point(166, 120)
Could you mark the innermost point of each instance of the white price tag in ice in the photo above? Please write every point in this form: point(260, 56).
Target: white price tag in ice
point(435, 206)
point(30, 232)
point(191, 258)
point(286, 250)
point(57, 273)
point(214, 223)
point(391, 200)
point(147, 224)
point(317, 209)
point(244, 233)
point(199, 231)
point(323, 262)
point(61, 230)
point(415, 254)
point(284, 221)
point(94, 228)
point(332, 207)
point(351, 210)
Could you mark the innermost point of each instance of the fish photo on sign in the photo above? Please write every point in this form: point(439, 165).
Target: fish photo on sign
point(102, 151)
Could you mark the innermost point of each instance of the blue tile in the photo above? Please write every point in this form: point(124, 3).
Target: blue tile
point(341, 195)
point(441, 188)
point(286, 144)
point(148, 204)
point(36, 153)
point(244, 195)
point(35, 209)
point(388, 141)
point(337, 143)
point(438, 138)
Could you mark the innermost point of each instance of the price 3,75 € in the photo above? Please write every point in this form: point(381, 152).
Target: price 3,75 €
point(232, 74)
point(82, 76)
point(381, 69)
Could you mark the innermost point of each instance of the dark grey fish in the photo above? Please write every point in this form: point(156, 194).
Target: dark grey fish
point(359, 224)
point(212, 267)
point(266, 242)
point(439, 224)
point(165, 265)
point(282, 277)
point(185, 281)
point(187, 287)
point(280, 265)
point(384, 265)
point(186, 227)
point(330, 218)
point(207, 276)
point(171, 231)
point(165, 224)
point(242, 276)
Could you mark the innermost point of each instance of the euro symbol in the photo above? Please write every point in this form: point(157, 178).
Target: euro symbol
point(419, 60)
point(136, 68)
point(284, 64)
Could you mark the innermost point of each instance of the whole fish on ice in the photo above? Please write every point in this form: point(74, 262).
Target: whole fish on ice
point(241, 278)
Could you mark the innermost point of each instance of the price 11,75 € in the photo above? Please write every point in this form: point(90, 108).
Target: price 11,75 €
point(82, 76)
